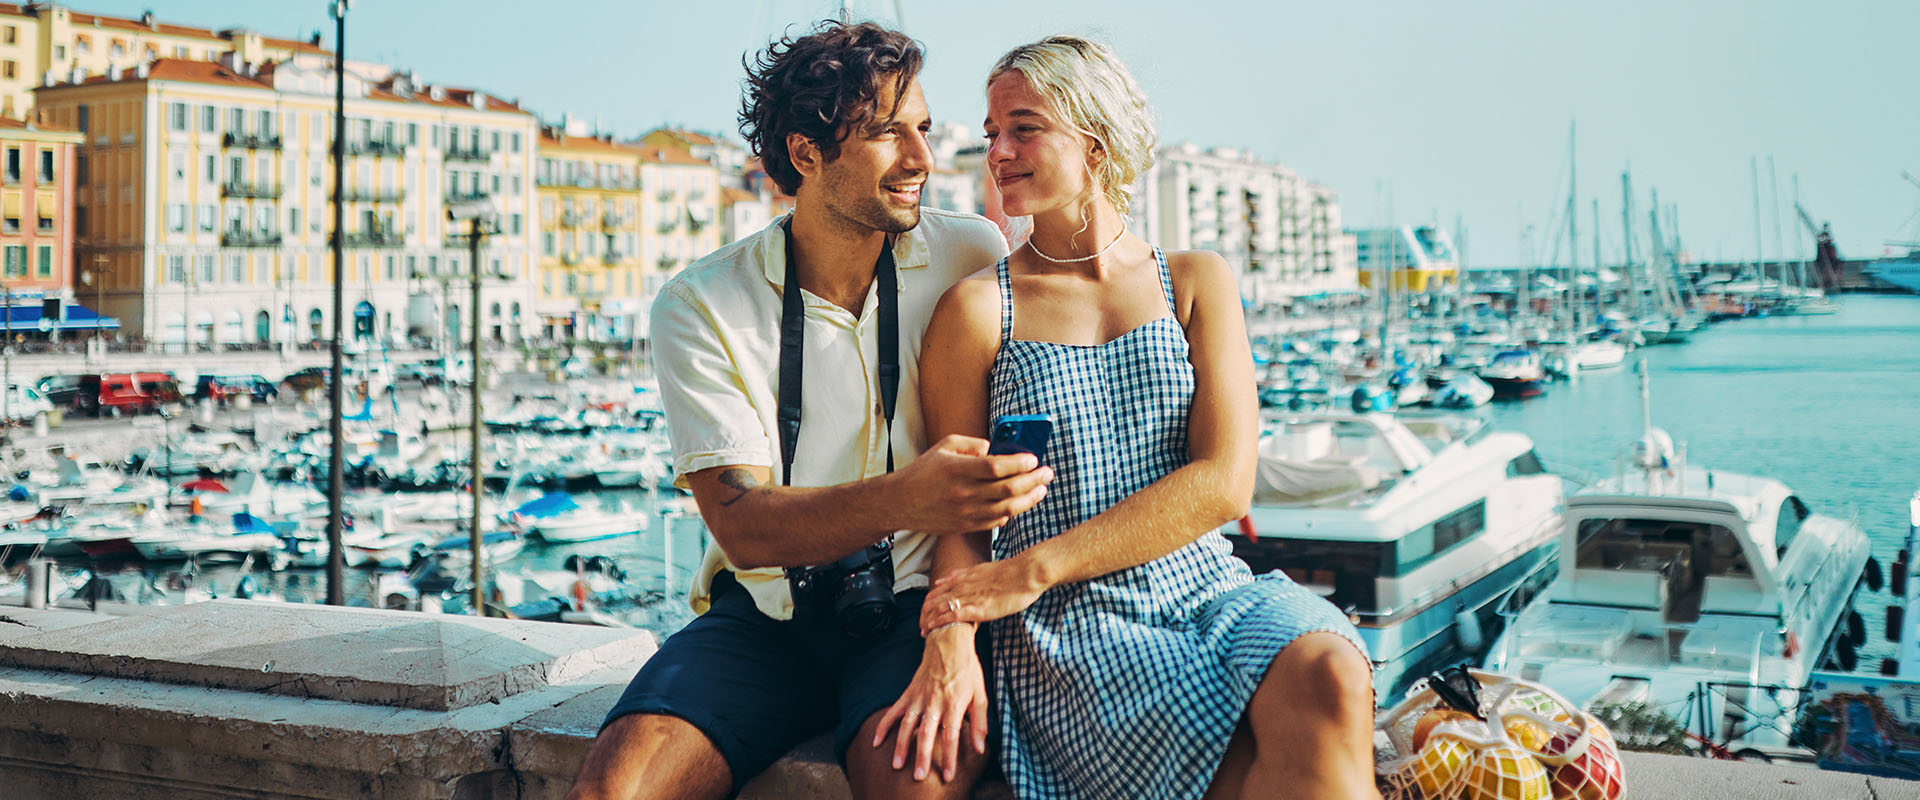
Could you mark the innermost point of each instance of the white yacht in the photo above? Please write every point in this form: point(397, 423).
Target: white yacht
point(1709, 595)
point(1901, 271)
point(1417, 527)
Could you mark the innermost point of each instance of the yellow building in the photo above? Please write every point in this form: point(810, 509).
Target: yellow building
point(589, 242)
point(205, 194)
point(38, 38)
point(616, 220)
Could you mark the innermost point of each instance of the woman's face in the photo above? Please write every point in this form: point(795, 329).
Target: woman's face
point(1038, 162)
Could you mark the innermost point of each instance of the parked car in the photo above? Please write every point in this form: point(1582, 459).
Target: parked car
point(125, 392)
point(24, 403)
point(60, 390)
point(223, 388)
point(306, 379)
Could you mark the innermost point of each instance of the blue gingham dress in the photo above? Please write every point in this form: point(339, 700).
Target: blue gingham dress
point(1128, 685)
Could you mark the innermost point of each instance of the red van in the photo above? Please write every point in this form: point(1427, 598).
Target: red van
point(119, 393)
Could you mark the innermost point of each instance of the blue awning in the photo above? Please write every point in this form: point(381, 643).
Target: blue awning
point(79, 318)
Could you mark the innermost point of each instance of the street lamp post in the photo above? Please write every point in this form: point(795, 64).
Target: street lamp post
point(478, 214)
point(336, 473)
point(98, 278)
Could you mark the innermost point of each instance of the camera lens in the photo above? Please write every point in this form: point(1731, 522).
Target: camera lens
point(865, 607)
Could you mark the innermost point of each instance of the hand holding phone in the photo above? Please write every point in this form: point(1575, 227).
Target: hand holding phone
point(1021, 433)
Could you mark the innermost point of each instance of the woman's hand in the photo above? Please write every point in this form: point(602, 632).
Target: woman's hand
point(982, 593)
point(948, 688)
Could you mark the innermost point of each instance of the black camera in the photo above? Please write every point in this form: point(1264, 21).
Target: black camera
point(858, 589)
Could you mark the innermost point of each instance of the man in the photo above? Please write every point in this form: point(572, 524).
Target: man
point(839, 121)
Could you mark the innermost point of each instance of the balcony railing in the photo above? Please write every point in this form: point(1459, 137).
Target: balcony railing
point(376, 147)
point(374, 195)
point(570, 259)
point(242, 189)
point(377, 237)
point(251, 141)
point(668, 262)
point(612, 257)
point(241, 237)
point(455, 152)
point(465, 196)
point(571, 220)
point(613, 220)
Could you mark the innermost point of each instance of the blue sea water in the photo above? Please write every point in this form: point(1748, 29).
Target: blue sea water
point(1830, 405)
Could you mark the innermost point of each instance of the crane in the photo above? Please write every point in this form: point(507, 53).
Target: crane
point(1826, 257)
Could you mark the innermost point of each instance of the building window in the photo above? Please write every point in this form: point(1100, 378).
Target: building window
point(546, 242)
point(13, 164)
point(16, 261)
point(45, 265)
point(496, 140)
point(12, 34)
point(176, 269)
point(206, 218)
point(10, 226)
point(206, 269)
point(516, 142)
point(182, 52)
point(46, 225)
point(237, 269)
point(206, 119)
point(59, 52)
point(9, 68)
point(83, 117)
point(176, 116)
point(177, 218)
point(393, 268)
point(213, 170)
point(413, 133)
point(514, 228)
point(293, 220)
point(46, 166)
point(80, 220)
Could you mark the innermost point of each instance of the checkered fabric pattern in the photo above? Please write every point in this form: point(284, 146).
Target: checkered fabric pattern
point(1128, 685)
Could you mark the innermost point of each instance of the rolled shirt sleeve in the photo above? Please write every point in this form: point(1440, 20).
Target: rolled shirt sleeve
point(711, 422)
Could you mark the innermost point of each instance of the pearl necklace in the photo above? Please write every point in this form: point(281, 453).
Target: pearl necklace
point(1103, 250)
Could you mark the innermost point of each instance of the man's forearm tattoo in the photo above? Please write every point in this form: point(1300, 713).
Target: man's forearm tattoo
point(740, 480)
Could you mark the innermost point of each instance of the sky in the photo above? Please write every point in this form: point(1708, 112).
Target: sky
point(1454, 113)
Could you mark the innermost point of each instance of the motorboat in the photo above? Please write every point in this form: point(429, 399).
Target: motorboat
point(1515, 373)
point(1599, 354)
point(558, 518)
point(1709, 595)
point(1416, 526)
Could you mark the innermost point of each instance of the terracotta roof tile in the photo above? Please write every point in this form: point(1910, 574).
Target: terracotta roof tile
point(661, 155)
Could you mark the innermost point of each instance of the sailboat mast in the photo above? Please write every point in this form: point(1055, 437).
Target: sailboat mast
point(1635, 304)
point(1759, 254)
point(1779, 240)
point(1596, 261)
point(1573, 230)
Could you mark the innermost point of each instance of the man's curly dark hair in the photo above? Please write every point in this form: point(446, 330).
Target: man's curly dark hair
point(824, 86)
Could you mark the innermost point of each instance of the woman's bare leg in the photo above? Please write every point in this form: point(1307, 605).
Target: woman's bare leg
point(1312, 723)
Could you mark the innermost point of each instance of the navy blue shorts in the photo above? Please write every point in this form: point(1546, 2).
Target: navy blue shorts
point(757, 686)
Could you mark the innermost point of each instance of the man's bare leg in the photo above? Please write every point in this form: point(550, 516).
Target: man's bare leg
point(649, 756)
point(871, 774)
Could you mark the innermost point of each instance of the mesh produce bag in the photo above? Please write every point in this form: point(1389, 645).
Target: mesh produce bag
point(1464, 734)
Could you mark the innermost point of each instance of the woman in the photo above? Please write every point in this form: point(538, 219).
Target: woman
point(1133, 655)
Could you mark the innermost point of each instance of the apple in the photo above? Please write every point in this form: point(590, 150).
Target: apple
point(1436, 770)
point(1593, 775)
point(1431, 720)
point(1505, 773)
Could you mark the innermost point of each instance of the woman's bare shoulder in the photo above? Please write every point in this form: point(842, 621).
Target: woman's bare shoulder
point(1198, 274)
point(972, 304)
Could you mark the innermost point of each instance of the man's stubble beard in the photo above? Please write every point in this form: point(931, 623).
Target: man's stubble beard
point(866, 210)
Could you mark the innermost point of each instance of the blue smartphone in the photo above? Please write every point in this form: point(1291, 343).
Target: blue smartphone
point(1021, 433)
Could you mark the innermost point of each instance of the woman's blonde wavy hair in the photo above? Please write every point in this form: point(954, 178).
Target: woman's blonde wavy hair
point(1085, 85)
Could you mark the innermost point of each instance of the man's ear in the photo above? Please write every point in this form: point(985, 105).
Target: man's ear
point(804, 154)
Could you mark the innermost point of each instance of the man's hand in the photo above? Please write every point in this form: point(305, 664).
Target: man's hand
point(955, 487)
point(949, 688)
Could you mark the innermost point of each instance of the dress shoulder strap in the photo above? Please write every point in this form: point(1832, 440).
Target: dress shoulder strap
point(1006, 302)
point(1166, 281)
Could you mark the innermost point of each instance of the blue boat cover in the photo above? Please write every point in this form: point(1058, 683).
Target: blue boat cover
point(547, 505)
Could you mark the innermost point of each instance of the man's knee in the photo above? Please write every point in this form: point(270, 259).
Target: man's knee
point(641, 755)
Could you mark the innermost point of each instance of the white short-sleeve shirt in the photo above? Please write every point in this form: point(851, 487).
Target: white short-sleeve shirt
point(716, 350)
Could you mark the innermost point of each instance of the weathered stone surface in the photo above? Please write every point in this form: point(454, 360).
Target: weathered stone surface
point(373, 656)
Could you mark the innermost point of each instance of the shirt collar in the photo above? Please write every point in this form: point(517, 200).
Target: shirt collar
point(909, 252)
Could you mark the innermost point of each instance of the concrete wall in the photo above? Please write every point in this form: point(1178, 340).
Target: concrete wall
point(238, 698)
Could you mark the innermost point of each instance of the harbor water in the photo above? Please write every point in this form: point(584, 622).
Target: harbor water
point(1829, 405)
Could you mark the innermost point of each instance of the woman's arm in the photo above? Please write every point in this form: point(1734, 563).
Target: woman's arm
point(949, 687)
point(1214, 488)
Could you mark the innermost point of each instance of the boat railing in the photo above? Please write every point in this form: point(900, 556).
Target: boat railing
point(1740, 716)
point(1452, 586)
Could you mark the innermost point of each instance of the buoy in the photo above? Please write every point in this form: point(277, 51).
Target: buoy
point(1466, 629)
point(1873, 576)
point(1896, 623)
point(1856, 627)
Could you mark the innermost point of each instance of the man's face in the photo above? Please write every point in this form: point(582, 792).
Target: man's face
point(875, 183)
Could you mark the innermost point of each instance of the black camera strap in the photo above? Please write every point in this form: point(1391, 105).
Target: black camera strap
point(793, 335)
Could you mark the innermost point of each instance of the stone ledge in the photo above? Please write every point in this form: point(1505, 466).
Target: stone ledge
point(66, 734)
point(390, 658)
